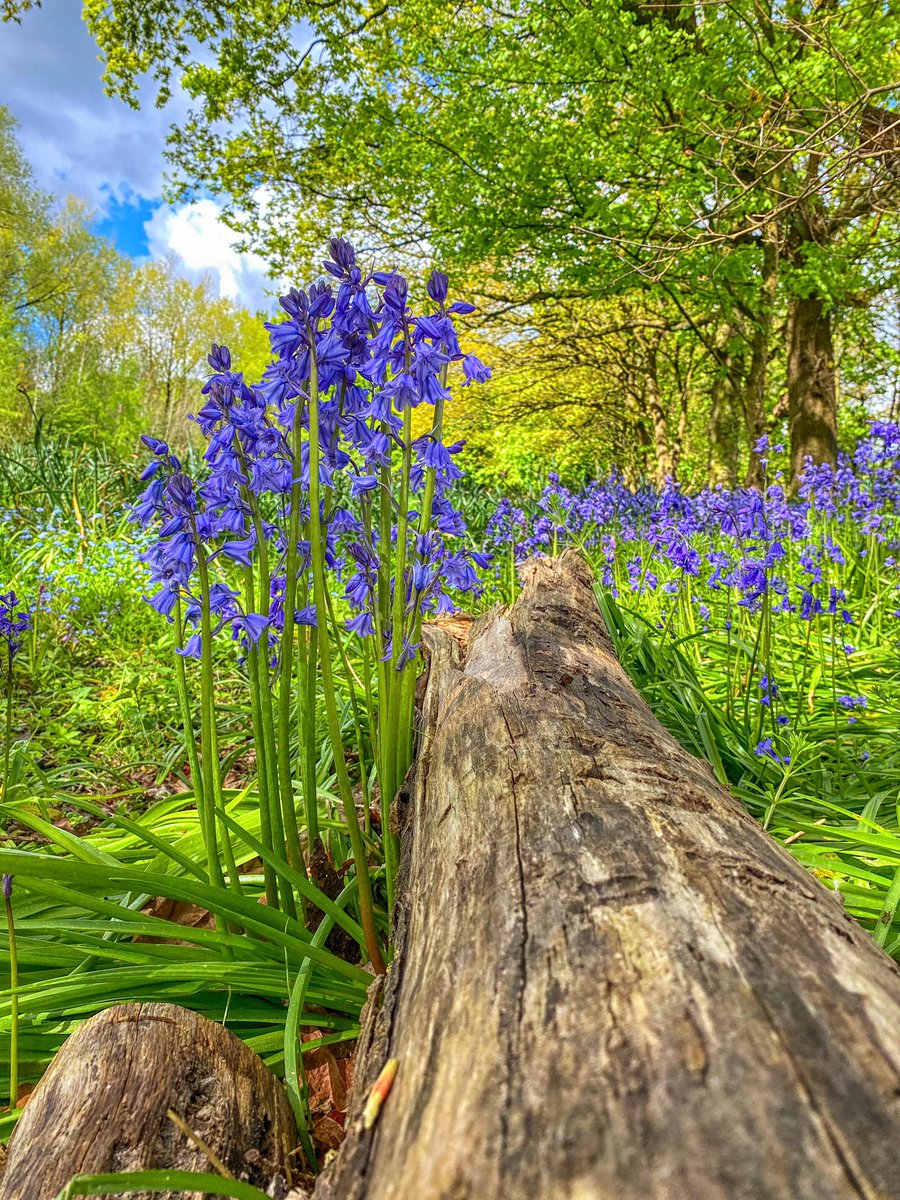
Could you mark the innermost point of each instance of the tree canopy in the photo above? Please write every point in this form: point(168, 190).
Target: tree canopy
point(733, 166)
point(90, 342)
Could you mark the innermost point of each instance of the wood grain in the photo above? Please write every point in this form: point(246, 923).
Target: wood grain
point(103, 1103)
point(610, 983)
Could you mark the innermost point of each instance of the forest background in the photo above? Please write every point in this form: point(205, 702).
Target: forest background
point(679, 219)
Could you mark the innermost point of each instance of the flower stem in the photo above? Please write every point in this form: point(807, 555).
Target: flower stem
point(366, 908)
point(185, 706)
point(212, 777)
point(259, 741)
point(286, 665)
point(7, 746)
point(13, 1005)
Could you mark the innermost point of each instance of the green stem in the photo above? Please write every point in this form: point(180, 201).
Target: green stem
point(268, 722)
point(398, 744)
point(9, 715)
point(366, 907)
point(212, 777)
point(307, 666)
point(185, 706)
point(259, 742)
point(891, 902)
point(14, 1005)
point(351, 678)
point(286, 665)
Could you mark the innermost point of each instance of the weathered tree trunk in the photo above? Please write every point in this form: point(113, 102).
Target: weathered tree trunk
point(665, 466)
point(812, 394)
point(755, 393)
point(723, 445)
point(610, 983)
point(103, 1105)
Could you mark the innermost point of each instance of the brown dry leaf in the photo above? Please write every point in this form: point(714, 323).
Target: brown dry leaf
point(328, 1133)
point(327, 1087)
point(329, 1078)
point(191, 916)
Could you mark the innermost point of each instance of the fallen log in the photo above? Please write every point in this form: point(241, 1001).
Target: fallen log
point(105, 1104)
point(610, 983)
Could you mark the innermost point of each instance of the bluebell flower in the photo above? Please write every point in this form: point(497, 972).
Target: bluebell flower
point(475, 371)
point(14, 621)
point(766, 749)
point(363, 624)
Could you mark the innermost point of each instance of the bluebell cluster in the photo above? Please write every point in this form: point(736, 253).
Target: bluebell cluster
point(815, 567)
point(82, 578)
point(759, 546)
point(374, 360)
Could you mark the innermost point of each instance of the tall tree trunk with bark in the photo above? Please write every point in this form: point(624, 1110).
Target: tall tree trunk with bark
point(723, 446)
point(665, 464)
point(755, 391)
point(812, 394)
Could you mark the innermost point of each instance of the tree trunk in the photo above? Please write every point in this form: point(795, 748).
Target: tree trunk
point(723, 446)
point(103, 1104)
point(755, 393)
point(812, 394)
point(722, 451)
point(609, 981)
point(665, 466)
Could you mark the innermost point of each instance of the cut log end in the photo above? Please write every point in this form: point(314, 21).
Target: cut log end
point(105, 1102)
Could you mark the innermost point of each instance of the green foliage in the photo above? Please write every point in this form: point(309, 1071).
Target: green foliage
point(678, 158)
point(93, 347)
point(180, 1182)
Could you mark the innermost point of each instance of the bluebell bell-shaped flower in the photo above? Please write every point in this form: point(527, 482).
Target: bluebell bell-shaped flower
point(475, 371)
point(362, 624)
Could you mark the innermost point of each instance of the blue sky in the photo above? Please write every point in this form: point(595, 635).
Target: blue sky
point(125, 224)
point(81, 142)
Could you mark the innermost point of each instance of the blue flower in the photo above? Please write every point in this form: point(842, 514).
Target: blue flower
point(765, 749)
point(475, 371)
point(363, 624)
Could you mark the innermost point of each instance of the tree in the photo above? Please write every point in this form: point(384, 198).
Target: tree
point(95, 346)
point(587, 386)
point(595, 148)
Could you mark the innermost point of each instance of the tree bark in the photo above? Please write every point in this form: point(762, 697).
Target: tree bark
point(755, 393)
point(723, 443)
point(609, 981)
point(103, 1105)
point(812, 394)
point(665, 466)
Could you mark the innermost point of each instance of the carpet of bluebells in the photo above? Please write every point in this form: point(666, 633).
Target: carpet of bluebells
point(764, 629)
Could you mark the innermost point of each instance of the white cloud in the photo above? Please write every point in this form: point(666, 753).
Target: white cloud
point(196, 235)
point(77, 138)
point(81, 141)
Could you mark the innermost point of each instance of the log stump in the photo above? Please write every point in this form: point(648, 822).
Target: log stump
point(610, 983)
point(103, 1105)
